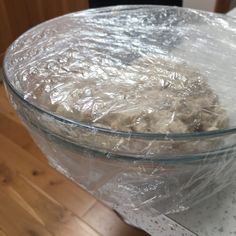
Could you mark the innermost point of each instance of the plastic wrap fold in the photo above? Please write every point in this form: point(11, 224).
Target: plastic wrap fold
point(134, 103)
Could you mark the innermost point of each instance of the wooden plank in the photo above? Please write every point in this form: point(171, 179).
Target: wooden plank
point(12, 128)
point(14, 220)
point(33, 149)
point(1, 58)
point(14, 131)
point(35, 11)
point(17, 133)
point(114, 226)
point(1, 72)
point(43, 176)
point(42, 207)
point(74, 5)
point(222, 6)
point(2, 233)
point(5, 30)
point(17, 16)
point(52, 8)
point(5, 106)
point(20, 136)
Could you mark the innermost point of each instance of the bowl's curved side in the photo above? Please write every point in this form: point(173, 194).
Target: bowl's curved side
point(132, 183)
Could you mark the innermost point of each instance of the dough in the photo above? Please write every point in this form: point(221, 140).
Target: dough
point(149, 95)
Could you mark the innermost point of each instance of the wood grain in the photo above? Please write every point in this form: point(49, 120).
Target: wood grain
point(45, 178)
point(35, 11)
point(2, 233)
point(21, 137)
point(36, 200)
point(2, 56)
point(5, 30)
point(17, 17)
point(222, 6)
point(5, 107)
point(53, 216)
point(16, 221)
point(9, 123)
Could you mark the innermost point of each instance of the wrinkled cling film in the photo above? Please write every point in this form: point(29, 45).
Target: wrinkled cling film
point(104, 91)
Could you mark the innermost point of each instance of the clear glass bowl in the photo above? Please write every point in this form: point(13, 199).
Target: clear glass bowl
point(126, 170)
point(156, 183)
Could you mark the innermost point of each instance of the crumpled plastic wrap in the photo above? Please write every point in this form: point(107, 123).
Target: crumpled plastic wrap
point(134, 103)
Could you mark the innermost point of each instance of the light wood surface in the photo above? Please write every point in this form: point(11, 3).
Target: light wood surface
point(36, 200)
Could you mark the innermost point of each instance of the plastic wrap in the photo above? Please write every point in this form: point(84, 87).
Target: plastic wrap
point(135, 104)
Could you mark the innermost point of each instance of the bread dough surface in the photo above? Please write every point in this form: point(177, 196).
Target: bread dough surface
point(149, 95)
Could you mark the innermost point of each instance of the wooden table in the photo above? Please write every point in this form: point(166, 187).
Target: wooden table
point(36, 200)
